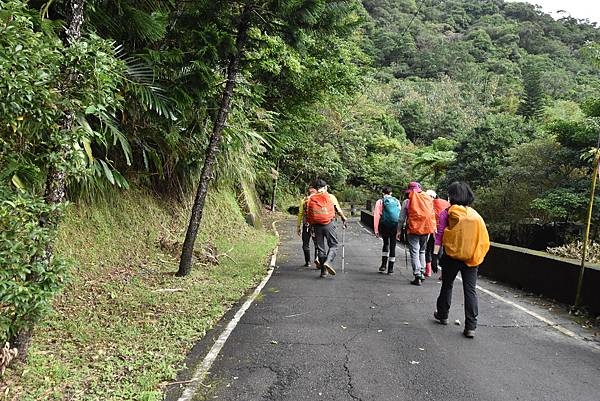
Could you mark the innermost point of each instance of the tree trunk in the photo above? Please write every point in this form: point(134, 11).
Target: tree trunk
point(185, 264)
point(275, 180)
point(56, 177)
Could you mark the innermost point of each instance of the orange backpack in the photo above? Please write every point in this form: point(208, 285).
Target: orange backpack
point(466, 237)
point(439, 205)
point(421, 215)
point(320, 209)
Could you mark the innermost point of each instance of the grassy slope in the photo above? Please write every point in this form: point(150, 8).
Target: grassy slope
point(111, 336)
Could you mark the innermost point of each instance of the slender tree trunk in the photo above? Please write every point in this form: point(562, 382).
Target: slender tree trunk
point(56, 178)
point(275, 180)
point(185, 264)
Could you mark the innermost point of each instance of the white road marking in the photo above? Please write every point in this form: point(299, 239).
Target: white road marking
point(368, 231)
point(539, 317)
point(529, 312)
point(202, 370)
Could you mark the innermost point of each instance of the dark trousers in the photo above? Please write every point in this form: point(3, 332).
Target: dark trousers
point(307, 234)
point(469, 279)
point(388, 234)
point(429, 249)
point(326, 233)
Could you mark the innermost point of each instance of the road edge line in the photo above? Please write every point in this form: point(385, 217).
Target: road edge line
point(537, 316)
point(200, 373)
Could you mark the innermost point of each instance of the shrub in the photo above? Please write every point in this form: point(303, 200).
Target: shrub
point(28, 280)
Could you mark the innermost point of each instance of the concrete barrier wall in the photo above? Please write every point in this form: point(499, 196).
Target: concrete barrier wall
point(366, 218)
point(537, 272)
point(544, 274)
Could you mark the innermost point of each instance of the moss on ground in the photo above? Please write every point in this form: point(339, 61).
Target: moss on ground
point(115, 333)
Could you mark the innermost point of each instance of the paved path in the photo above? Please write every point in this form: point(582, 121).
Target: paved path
point(366, 336)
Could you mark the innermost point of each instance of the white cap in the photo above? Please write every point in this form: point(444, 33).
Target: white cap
point(431, 193)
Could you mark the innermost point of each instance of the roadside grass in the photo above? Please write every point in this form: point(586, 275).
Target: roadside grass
point(115, 333)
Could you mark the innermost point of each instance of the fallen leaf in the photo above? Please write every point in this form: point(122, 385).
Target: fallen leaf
point(344, 327)
point(457, 322)
point(379, 331)
point(421, 349)
point(274, 342)
point(414, 362)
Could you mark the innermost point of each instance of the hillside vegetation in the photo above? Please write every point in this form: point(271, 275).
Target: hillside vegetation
point(118, 117)
point(123, 324)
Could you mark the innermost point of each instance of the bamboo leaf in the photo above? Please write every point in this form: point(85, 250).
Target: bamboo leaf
point(17, 182)
point(107, 172)
point(88, 149)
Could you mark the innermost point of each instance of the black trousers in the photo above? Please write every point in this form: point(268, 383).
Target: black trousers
point(388, 234)
point(307, 234)
point(429, 249)
point(469, 279)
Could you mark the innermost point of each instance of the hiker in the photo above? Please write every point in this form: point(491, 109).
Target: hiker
point(463, 234)
point(386, 215)
point(304, 230)
point(418, 216)
point(439, 205)
point(321, 209)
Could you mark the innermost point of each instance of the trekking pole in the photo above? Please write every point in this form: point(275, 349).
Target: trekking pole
point(343, 247)
point(405, 244)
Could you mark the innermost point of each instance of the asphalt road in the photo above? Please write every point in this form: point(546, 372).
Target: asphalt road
point(366, 336)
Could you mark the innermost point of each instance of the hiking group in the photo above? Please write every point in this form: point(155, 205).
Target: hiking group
point(447, 235)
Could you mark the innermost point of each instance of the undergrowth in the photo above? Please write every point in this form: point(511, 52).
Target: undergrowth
point(123, 325)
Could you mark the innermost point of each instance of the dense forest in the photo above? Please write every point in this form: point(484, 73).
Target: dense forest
point(181, 98)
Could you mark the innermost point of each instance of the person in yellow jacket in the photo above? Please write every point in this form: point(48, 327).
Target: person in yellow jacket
point(304, 230)
point(465, 240)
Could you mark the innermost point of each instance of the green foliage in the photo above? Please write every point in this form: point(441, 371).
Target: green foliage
point(28, 281)
point(40, 81)
point(533, 98)
point(433, 161)
point(480, 154)
point(559, 204)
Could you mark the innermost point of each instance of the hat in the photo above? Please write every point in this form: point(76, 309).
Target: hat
point(431, 193)
point(413, 187)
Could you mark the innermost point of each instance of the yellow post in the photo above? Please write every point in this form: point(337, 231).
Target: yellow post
point(587, 231)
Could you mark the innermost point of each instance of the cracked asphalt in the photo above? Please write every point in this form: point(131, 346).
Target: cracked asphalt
point(366, 336)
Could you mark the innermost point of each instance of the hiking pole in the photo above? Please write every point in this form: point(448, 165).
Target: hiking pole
point(587, 227)
point(343, 246)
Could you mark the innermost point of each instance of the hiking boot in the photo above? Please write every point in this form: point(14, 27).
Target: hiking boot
point(416, 281)
point(428, 269)
point(391, 272)
point(329, 269)
point(384, 262)
point(469, 333)
point(306, 264)
point(317, 264)
point(439, 319)
point(323, 275)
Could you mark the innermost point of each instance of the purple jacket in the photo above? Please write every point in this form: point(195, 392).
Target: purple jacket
point(439, 235)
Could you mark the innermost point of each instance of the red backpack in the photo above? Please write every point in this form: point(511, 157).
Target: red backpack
point(320, 209)
point(421, 215)
point(439, 205)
